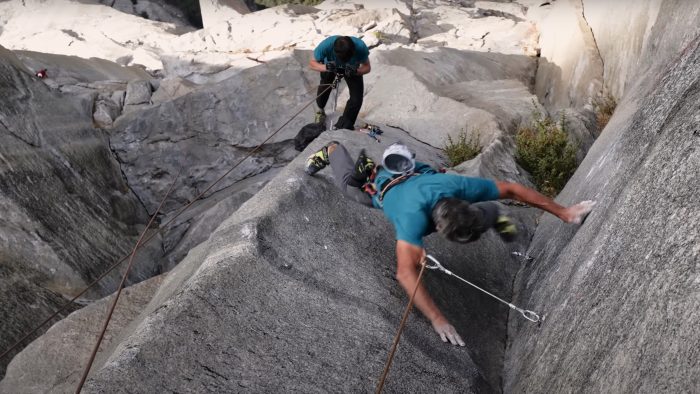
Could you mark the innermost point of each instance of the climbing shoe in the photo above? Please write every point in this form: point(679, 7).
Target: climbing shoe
point(362, 171)
point(318, 160)
point(320, 117)
point(506, 229)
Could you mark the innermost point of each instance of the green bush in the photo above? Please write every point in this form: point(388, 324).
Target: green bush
point(543, 149)
point(462, 148)
point(604, 109)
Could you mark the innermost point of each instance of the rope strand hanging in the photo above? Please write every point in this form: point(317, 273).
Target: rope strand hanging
point(152, 235)
point(121, 286)
point(527, 314)
point(397, 337)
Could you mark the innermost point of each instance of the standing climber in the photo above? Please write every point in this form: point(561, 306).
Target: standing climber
point(419, 200)
point(347, 57)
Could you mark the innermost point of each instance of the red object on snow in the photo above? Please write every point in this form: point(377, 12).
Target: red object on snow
point(41, 73)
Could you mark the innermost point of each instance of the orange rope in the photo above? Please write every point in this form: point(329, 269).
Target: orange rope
point(397, 337)
point(121, 286)
point(150, 237)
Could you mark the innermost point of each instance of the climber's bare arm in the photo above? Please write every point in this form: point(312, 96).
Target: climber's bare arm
point(573, 214)
point(408, 258)
point(316, 65)
point(364, 68)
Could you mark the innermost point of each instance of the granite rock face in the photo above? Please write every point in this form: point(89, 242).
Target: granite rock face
point(211, 129)
point(621, 294)
point(299, 284)
point(59, 358)
point(67, 212)
point(291, 287)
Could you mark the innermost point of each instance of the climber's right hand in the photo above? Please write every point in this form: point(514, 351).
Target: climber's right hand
point(447, 332)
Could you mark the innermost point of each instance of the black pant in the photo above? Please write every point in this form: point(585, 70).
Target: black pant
point(356, 86)
point(343, 166)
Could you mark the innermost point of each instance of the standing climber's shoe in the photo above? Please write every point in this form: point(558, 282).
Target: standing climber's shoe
point(320, 117)
point(318, 160)
point(506, 229)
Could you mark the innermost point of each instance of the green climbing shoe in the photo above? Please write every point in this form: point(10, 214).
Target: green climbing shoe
point(318, 160)
point(506, 229)
point(320, 117)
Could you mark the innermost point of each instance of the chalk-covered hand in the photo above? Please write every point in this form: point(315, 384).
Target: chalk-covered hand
point(447, 332)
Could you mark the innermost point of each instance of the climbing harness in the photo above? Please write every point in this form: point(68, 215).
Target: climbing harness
point(529, 315)
point(372, 189)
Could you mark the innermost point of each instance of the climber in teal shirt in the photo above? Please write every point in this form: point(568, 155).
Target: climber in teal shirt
point(418, 200)
point(410, 204)
point(336, 58)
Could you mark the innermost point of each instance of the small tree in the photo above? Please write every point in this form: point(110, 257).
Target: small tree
point(604, 108)
point(543, 149)
point(462, 148)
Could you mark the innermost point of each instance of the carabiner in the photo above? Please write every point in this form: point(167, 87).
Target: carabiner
point(530, 315)
point(437, 265)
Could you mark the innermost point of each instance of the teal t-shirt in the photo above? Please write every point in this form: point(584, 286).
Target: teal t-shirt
point(324, 52)
point(409, 205)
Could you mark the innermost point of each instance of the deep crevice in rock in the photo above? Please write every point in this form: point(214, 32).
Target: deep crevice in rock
point(595, 43)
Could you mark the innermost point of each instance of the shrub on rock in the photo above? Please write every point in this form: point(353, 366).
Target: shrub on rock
point(544, 150)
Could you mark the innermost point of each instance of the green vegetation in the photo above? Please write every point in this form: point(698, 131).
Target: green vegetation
point(543, 149)
point(604, 109)
point(462, 148)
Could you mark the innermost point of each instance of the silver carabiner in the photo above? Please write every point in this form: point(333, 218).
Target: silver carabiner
point(436, 266)
point(530, 315)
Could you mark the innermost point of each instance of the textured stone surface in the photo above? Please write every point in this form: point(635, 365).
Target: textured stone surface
point(64, 70)
point(218, 11)
point(570, 70)
point(172, 88)
point(484, 93)
point(69, 213)
point(58, 360)
point(295, 290)
point(259, 307)
point(138, 92)
point(621, 294)
point(211, 129)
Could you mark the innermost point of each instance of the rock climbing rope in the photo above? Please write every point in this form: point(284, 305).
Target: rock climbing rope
point(397, 337)
point(335, 83)
point(121, 286)
point(527, 314)
point(153, 234)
